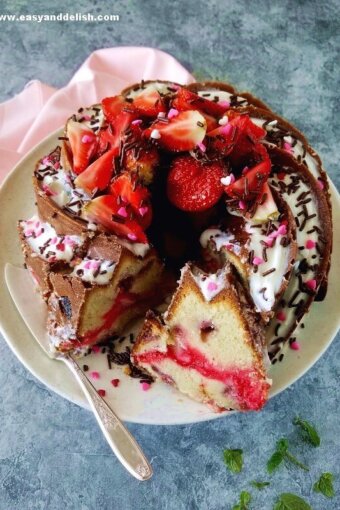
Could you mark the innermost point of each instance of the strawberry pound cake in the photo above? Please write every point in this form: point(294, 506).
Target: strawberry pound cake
point(197, 184)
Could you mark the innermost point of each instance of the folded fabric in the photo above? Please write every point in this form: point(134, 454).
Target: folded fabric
point(40, 109)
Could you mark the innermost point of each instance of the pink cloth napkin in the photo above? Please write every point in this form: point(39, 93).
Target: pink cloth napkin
point(40, 109)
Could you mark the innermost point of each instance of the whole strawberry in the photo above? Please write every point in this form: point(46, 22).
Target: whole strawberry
point(193, 185)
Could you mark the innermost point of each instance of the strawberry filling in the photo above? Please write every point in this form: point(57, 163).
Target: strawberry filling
point(243, 385)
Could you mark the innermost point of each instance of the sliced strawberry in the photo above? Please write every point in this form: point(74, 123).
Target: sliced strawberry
point(97, 176)
point(187, 100)
point(83, 144)
point(104, 210)
point(113, 106)
point(106, 139)
point(133, 198)
point(193, 186)
point(250, 184)
point(238, 139)
point(181, 133)
point(149, 103)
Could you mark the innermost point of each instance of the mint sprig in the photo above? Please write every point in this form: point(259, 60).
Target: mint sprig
point(259, 485)
point(309, 432)
point(288, 501)
point(245, 499)
point(282, 454)
point(233, 459)
point(325, 485)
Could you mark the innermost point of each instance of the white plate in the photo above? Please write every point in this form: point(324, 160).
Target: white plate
point(161, 404)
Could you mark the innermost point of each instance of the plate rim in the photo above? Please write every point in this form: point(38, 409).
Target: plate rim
point(78, 400)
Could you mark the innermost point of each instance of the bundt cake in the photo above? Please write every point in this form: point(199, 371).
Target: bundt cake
point(212, 185)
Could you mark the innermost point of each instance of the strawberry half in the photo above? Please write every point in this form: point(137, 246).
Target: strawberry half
point(113, 106)
point(104, 210)
point(148, 104)
point(250, 184)
point(83, 143)
point(133, 199)
point(181, 133)
point(97, 176)
point(194, 186)
point(187, 100)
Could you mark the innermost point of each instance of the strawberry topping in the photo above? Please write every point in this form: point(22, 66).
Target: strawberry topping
point(97, 176)
point(83, 144)
point(104, 210)
point(182, 132)
point(187, 100)
point(194, 186)
point(133, 199)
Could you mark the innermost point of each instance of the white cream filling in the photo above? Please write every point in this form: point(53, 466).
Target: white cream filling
point(210, 285)
point(311, 255)
point(44, 241)
point(277, 258)
point(97, 271)
point(138, 249)
point(222, 95)
point(162, 88)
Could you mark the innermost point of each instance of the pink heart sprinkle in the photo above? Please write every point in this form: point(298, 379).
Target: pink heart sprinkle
point(311, 284)
point(295, 346)
point(122, 212)
point(310, 244)
point(102, 393)
point(145, 386)
point(242, 205)
point(143, 210)
point(229, 246)
point(87, 139)
point(95, 348)
point(281, 316)
point(321, 184)
point(87, 265)
point(224, 104)
point(225, 130)
point(269, 241)
point(287, 147)
point(257, 261)
point(212, 286)
point(132, 237)
point(136, 122)
point(202, 147)
point(46, 160)
point(172, 113)
point(115, 382)
point(56, 165)
point(282, 230)
point(54, 240)
point(86, 117)
point(95, 375)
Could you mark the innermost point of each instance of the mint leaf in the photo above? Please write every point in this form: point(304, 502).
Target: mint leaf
point(259, 485)
point(274, 462)
point(289, 501)
point(325, 485)
point(309, 432)
point(282, 453)
point(233, 459)
point(282, 445)
point(245, 498)
point(295, 461)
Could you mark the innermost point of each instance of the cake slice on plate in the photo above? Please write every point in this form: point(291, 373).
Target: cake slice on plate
point(209, 343)
point(92, 283)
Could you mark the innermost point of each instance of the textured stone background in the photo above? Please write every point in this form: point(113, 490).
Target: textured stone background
point(51, 453)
